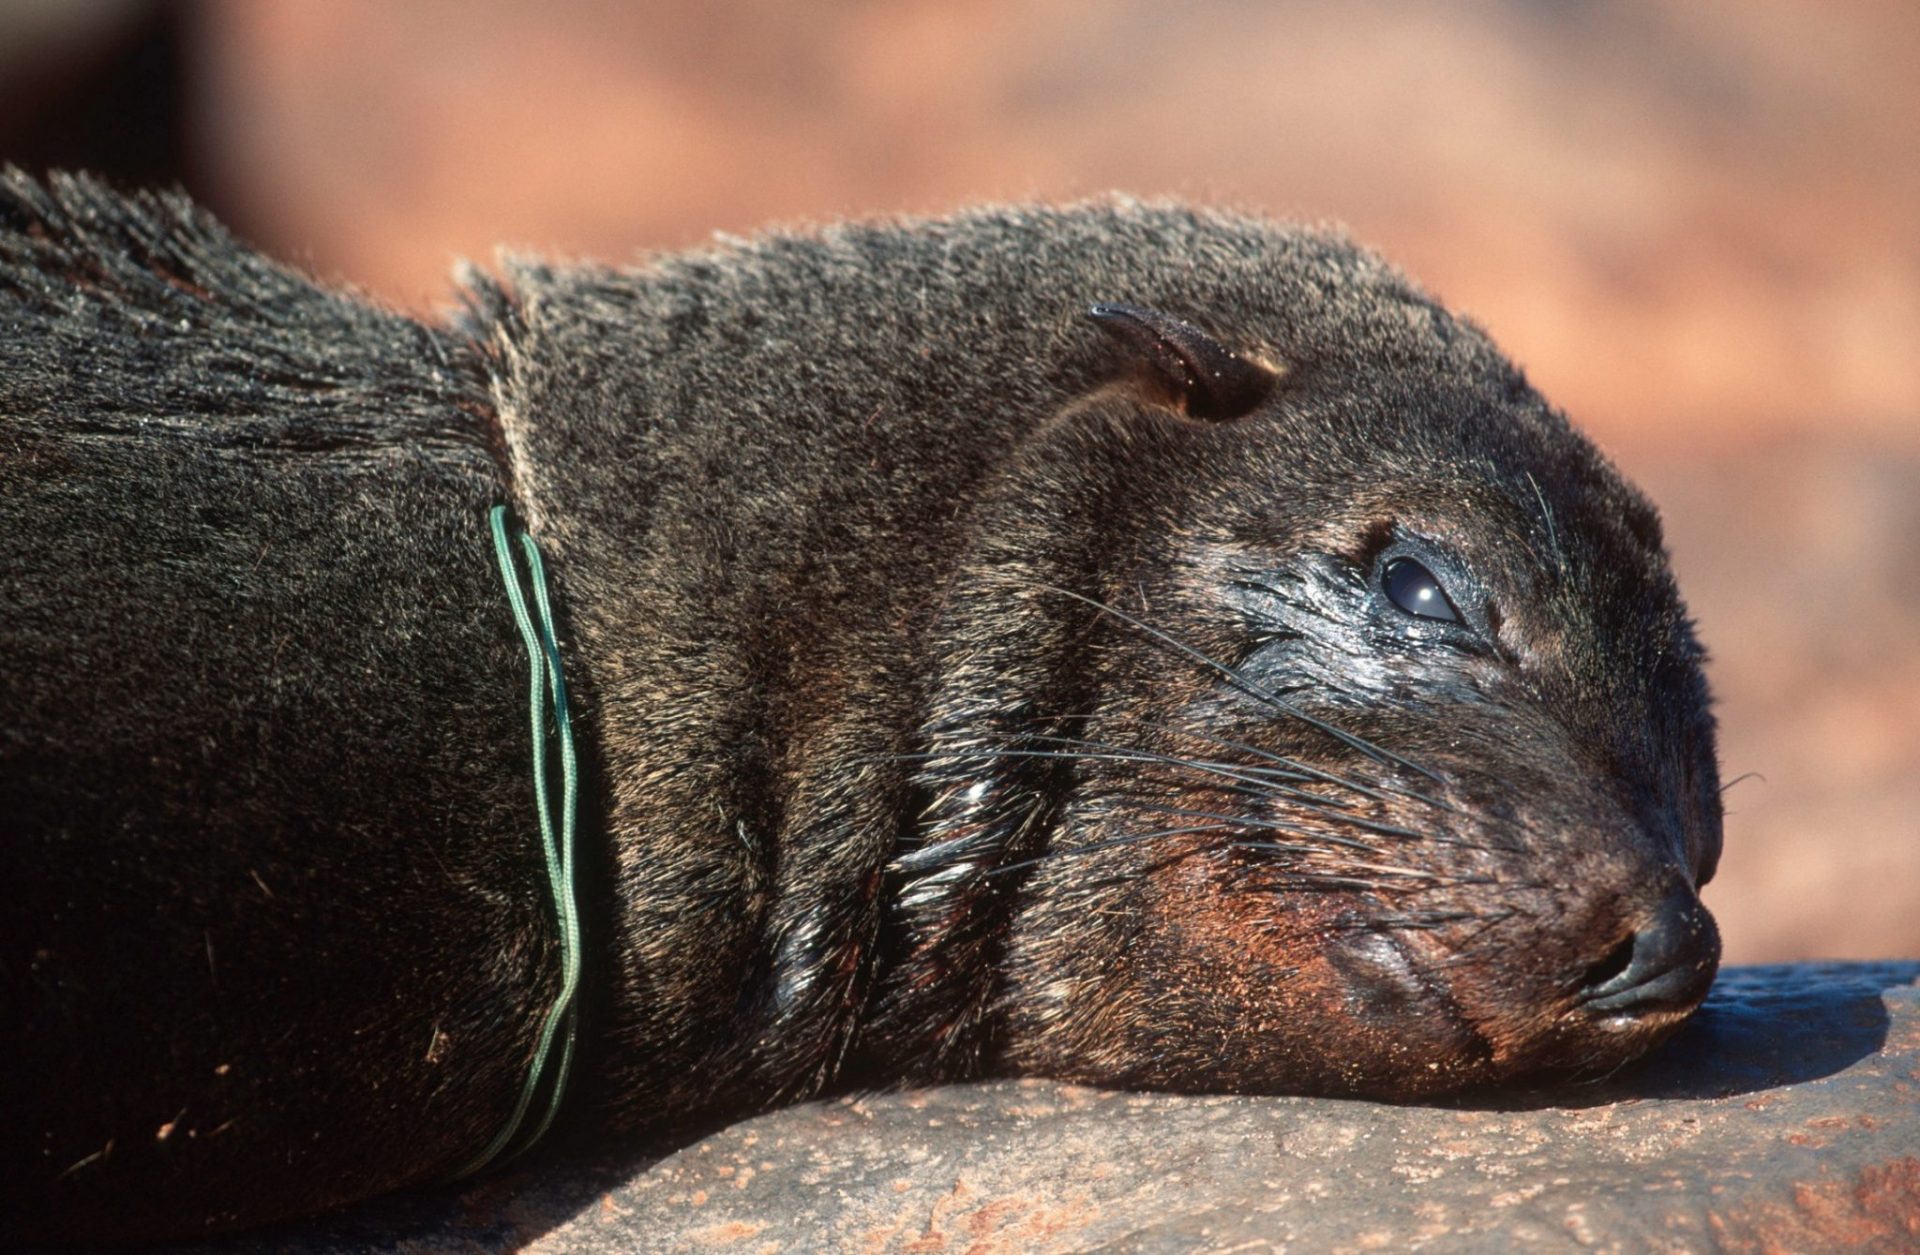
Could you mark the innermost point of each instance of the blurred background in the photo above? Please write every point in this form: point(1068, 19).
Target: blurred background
point(1697, 226)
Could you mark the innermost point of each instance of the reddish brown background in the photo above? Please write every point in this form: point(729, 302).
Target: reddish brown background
point(1697, 225)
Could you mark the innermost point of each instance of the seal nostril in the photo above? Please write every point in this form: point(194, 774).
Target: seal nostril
point(1667, 964)
point(1611, 966)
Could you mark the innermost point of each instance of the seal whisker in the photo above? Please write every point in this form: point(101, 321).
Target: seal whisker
point(1384, 869)
point(1553, 533)
point(1245, 684)
point(1314, 803)
point(1283, 766)
point(1361, 822)
point(1264, 773)
point(1243, 780)
point(1295, 879)
point(1378, 793)
point(1264, 825)
point(1101, 846)
point(1253, 776)
point(1311, 803)
point(1252, 784)
point(1256, 778)
point(1426, 921)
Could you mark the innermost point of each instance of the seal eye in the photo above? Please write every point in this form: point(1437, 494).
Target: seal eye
point(1417, 591)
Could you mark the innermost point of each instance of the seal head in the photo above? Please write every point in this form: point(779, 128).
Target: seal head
point(1372, 748)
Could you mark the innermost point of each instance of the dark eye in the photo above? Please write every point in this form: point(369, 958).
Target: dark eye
point(1414, 589)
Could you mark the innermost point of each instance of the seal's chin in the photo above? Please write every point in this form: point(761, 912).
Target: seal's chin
point(1580, 1047)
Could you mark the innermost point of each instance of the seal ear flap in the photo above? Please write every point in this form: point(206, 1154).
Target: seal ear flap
point(1199, 374)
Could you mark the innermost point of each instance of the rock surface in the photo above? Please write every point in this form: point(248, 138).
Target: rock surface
point(1785, 1117)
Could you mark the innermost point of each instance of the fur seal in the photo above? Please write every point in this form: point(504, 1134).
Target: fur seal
point(1127, 642)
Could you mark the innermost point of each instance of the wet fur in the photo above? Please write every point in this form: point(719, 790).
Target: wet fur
point(926, 665)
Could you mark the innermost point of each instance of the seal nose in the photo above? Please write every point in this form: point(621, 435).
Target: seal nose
point(1666, 965)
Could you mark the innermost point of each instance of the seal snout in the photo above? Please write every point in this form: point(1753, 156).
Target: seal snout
point(1665, 965)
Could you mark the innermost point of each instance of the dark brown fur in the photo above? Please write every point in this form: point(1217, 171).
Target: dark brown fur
point(958, 696)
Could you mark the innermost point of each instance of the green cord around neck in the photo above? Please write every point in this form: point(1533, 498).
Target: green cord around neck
point(543, 658)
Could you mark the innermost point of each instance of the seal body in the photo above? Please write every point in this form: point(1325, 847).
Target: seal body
point(1275, 695)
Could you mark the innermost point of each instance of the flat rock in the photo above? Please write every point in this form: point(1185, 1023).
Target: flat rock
point(1784, 1117)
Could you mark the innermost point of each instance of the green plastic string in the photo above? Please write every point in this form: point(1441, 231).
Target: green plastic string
point(543, 659)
